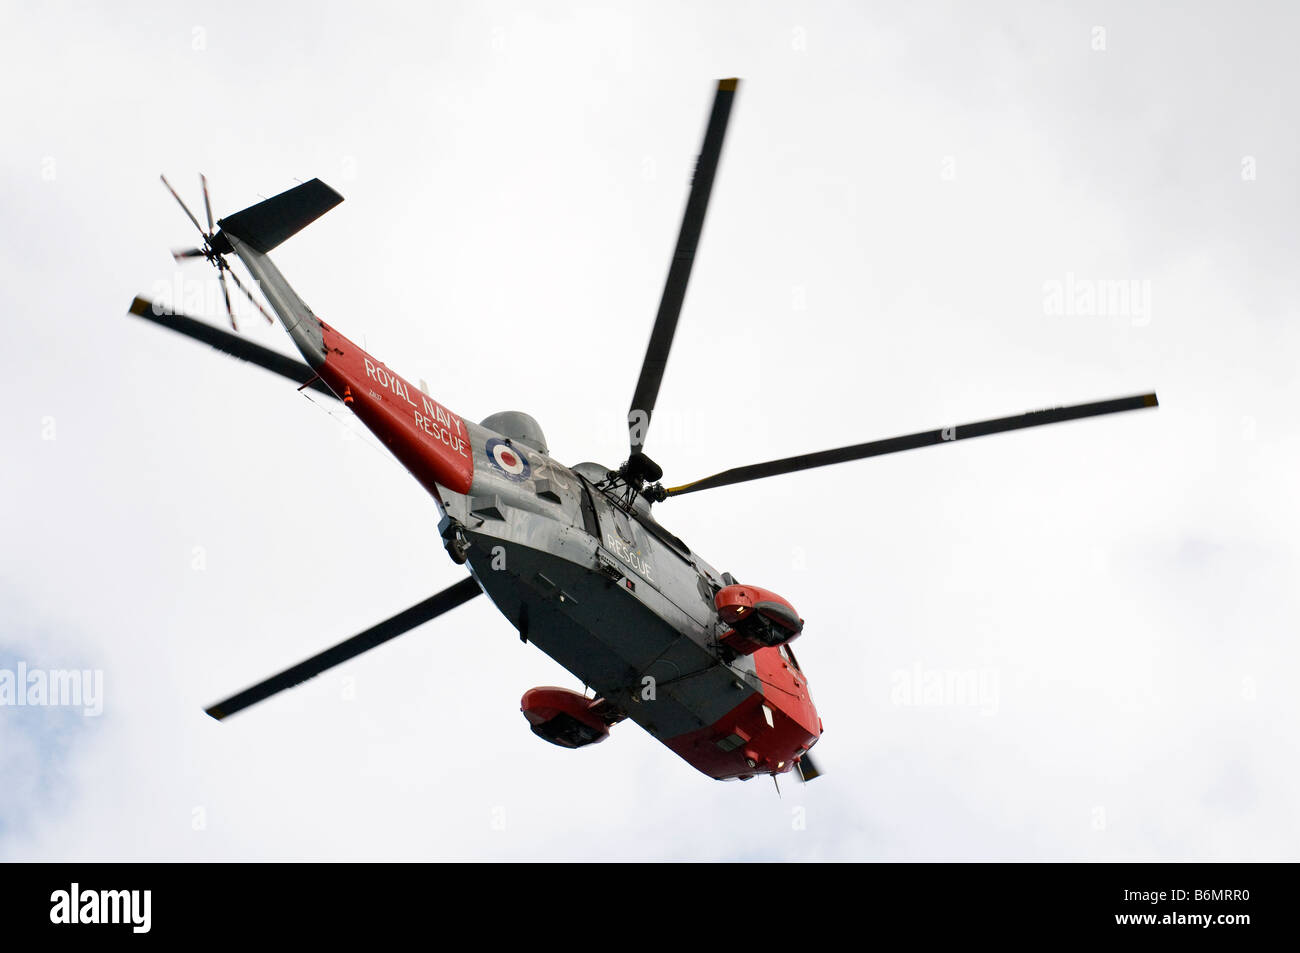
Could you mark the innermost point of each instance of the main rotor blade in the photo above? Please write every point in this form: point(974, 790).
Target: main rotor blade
point(234, 345)
point(183, 205)
point(679, 273)
point(757, 471)
point(404, 621)
point(807, 770)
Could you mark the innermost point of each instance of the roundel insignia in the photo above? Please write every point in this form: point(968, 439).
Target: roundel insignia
point(508, 460)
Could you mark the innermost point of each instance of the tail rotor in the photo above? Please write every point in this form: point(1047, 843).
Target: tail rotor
point(209, 251)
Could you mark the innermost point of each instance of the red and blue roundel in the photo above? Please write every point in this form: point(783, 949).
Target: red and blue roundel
point(508, 460)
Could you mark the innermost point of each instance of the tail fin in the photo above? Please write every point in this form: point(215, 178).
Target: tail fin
point(431, 441)
point(259, 228)
point(267, 224)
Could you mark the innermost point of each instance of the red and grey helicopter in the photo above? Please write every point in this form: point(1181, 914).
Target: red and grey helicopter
point(572, 556)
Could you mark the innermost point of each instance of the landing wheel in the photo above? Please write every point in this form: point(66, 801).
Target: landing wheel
point(456, 543)
point(458, 549)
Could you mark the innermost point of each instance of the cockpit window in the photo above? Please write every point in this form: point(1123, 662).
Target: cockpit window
point(589, 522)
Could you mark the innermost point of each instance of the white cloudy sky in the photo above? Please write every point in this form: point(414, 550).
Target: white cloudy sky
point(897, 190)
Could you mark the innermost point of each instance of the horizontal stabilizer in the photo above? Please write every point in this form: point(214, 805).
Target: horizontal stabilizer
point(267, 224)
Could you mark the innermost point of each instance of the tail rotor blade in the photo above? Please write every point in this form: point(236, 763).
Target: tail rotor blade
point(183, 206)
point(225, 291)
point(182, 254)
point(249, 295)
point(207, 203)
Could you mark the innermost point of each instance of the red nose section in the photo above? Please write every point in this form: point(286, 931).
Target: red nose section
point(771, 730)
point(765, 734)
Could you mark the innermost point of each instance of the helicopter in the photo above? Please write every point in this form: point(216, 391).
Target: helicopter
point(573, 556)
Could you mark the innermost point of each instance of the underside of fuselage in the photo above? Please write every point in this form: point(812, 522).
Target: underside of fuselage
point(620, 636)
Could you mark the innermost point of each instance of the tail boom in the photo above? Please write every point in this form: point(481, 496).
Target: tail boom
point(430, 441)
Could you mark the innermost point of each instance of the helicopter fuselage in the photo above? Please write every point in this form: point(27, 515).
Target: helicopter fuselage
point(572, 555)
point(579, 567)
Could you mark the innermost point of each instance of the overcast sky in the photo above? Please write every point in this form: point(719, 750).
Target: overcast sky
point(910, 210)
